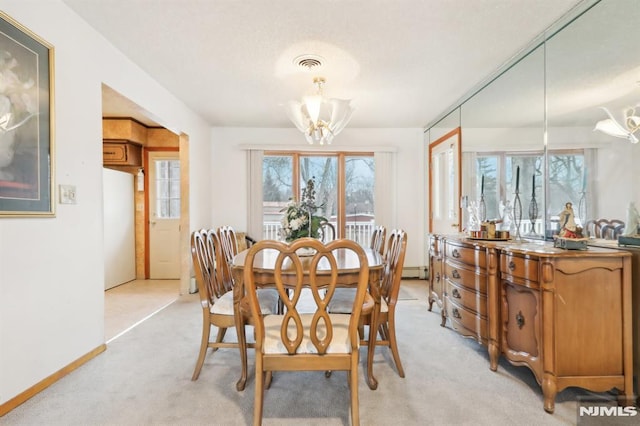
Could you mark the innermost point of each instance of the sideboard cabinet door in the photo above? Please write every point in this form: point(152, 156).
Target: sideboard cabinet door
point(521, 338)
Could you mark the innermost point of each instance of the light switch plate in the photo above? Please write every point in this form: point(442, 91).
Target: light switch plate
point(67, 194)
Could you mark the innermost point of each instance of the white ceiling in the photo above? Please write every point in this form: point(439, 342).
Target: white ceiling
point(402, 62)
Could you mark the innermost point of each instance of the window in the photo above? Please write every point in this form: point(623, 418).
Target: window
point(168, 189)
point(277, 189)
point(324, 171)
point(344, 185)
point(566, 183)
point(487, 167)
point(359, 203)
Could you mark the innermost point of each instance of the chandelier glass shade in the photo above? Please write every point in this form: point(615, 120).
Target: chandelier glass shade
point(319, 118)
point(611, 127)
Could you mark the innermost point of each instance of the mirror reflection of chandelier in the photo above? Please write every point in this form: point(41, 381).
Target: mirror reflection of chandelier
point(611, 127)
point(319, 118)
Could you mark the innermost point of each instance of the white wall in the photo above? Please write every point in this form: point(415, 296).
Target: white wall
point(52, 269)
point(229, 164)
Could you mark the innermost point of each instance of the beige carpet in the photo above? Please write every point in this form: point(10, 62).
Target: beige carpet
point(144, 378)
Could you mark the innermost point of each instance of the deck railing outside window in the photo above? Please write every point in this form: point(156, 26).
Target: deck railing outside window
point(359, 232)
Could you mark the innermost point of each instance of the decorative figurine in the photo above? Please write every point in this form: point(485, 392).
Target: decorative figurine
point(506, 216)
point(632, 222)
point(570, 235)
point(474, 219)
point(568, 227)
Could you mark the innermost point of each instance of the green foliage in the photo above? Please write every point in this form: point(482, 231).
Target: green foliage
point(299, 219)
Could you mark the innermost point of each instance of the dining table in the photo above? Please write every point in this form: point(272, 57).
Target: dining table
point(348, 271)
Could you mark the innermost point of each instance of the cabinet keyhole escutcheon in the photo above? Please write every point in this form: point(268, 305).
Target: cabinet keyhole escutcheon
point(512, 265)
point(455, 274)
point(455, 293)
point(456, 314)
point(520, 320)
point(455, 253)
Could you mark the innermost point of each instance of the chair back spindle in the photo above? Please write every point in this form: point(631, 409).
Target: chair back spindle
point(378, 239)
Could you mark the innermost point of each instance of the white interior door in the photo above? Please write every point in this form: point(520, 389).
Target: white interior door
point(164, 215)
point(444, 188)
point(119, 228)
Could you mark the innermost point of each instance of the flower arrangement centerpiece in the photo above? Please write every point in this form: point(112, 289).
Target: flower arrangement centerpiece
point(299, 219)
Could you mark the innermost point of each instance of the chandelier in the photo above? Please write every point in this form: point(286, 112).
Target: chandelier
point(319, 118)
point(611, 127)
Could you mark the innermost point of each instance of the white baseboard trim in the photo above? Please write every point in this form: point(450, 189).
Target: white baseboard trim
point(414, 272)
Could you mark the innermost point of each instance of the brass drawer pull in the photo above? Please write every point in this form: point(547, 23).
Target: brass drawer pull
point(455, 313)
point(437, 277)
point(455, 293)
point(455, 274)
point(512, 265)
point(520, 320)
point(455, 253)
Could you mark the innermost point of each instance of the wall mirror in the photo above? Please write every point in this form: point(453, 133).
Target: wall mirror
point(540, 116)
point(593, 63)
point(445, 125)
point(503, 129)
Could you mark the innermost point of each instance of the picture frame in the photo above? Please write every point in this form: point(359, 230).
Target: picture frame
point(26, 122)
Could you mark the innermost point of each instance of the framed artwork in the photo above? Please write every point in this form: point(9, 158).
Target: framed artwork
point(26, 122)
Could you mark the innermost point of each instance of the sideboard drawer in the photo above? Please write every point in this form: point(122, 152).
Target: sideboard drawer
point(464, 277)
point(466, 322)
point(519, 267)
point(466, 255)
point(466, 298)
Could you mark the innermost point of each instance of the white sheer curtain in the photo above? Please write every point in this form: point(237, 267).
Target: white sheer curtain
point(254, 202)
point(386, 189)
point(591, 171)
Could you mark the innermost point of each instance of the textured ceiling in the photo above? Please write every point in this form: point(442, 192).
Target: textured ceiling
point(402, 62)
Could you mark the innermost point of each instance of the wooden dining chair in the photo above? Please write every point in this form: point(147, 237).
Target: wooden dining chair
point(228, 249)
point(377, 239)
point(216, 300)
point(229, 242)
point(327, 232)
point(244, 241)
point(295, 341)
point(389, 289)
point(216, 296)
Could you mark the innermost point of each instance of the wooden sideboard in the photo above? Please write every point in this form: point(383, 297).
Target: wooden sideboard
point(565, 314)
